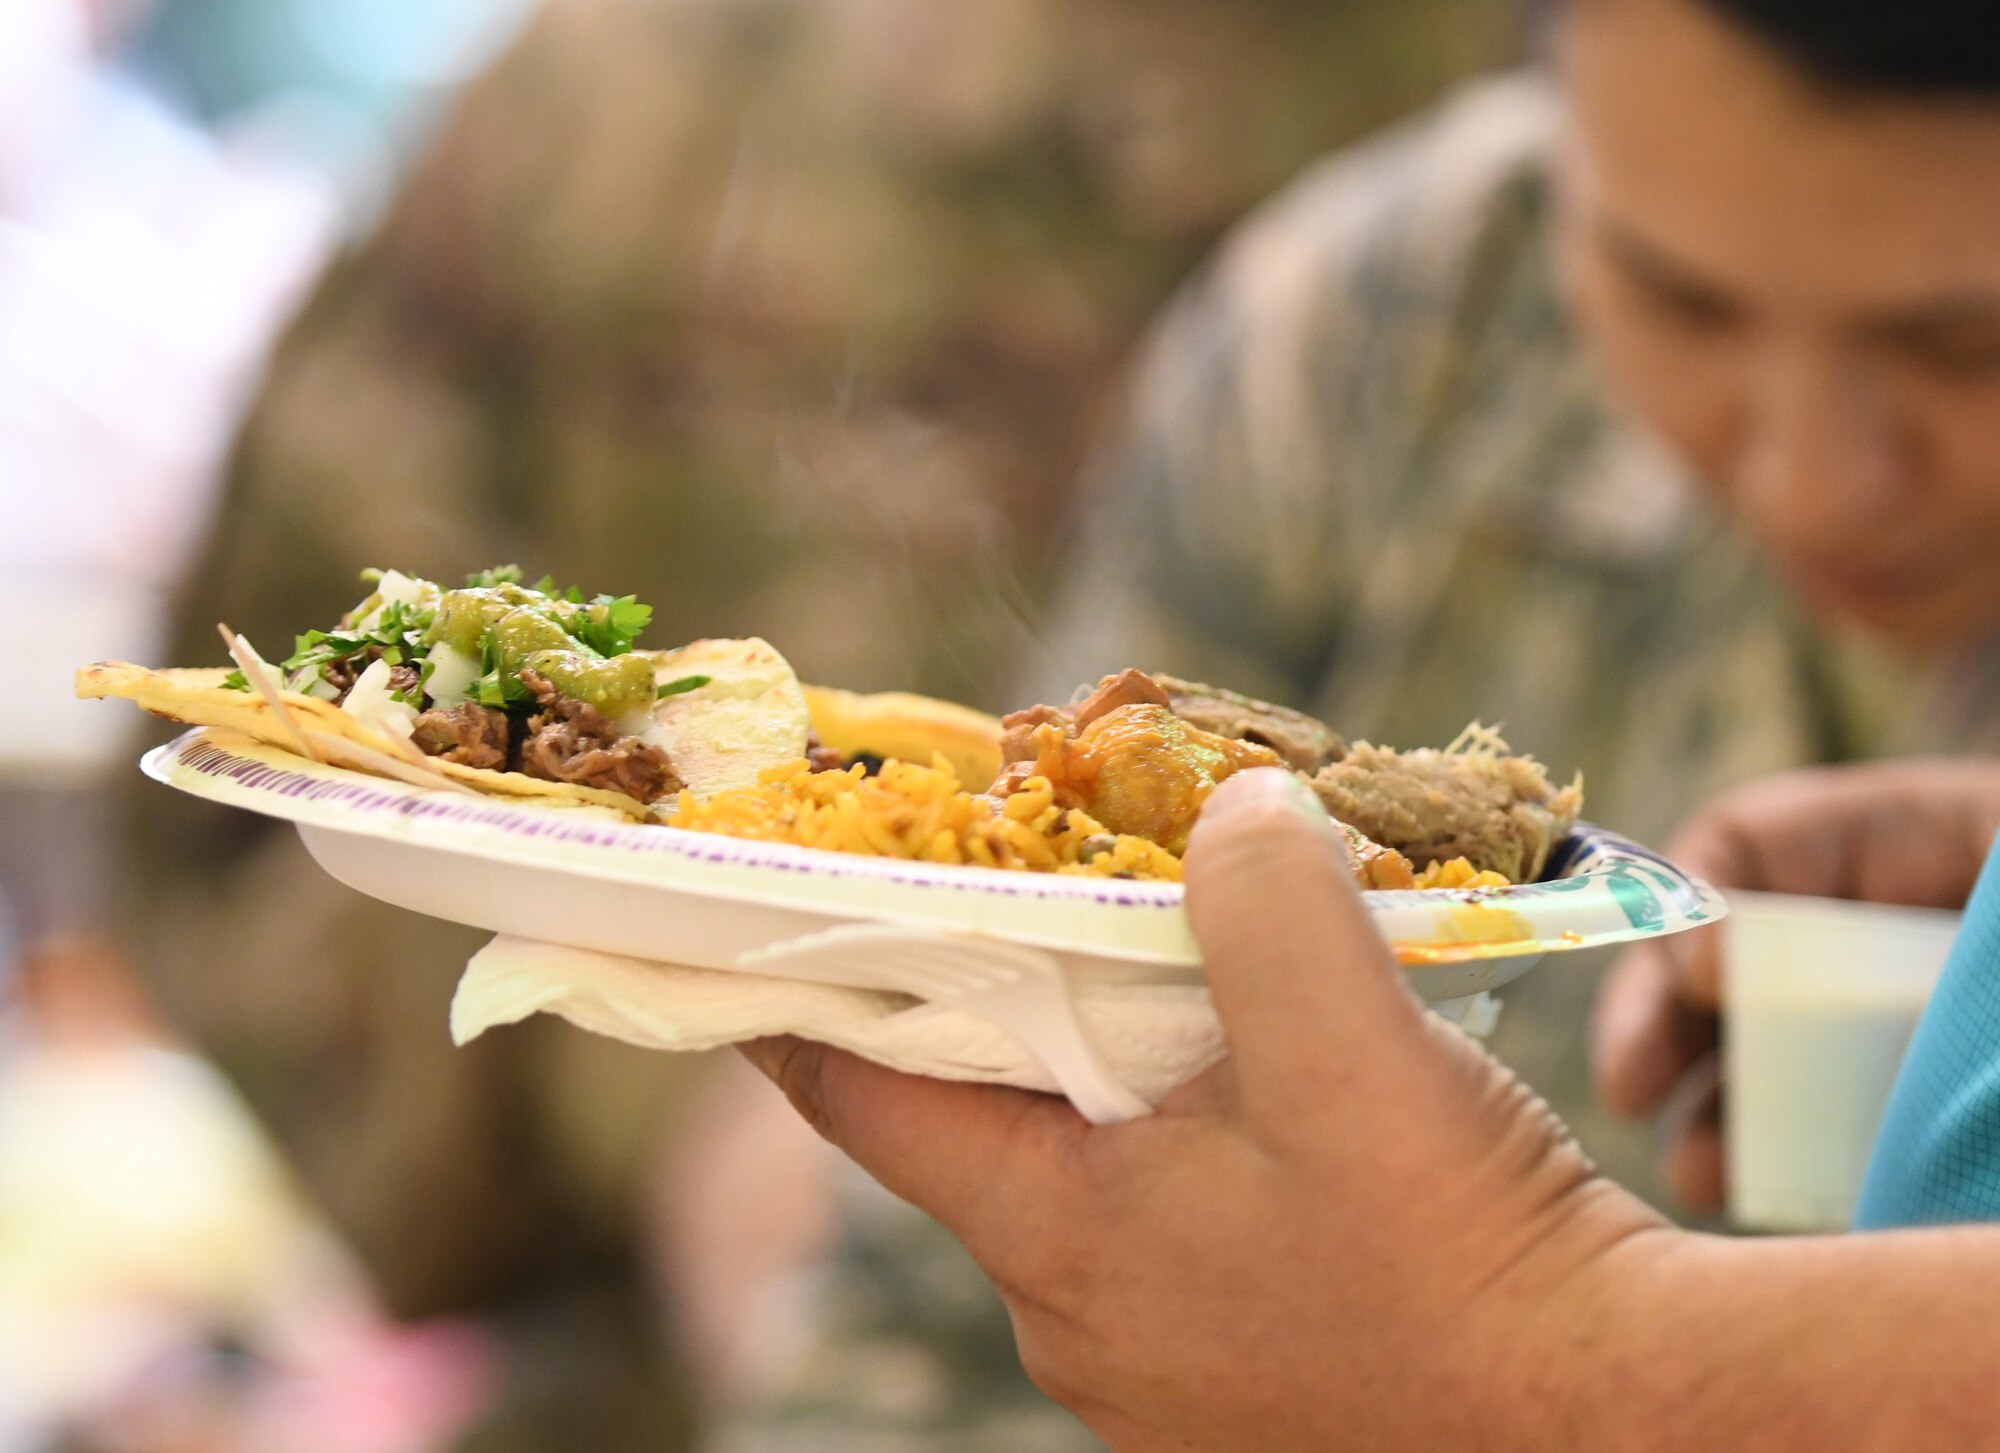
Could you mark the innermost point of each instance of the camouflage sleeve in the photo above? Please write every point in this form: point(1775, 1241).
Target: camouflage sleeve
point(1276, 436)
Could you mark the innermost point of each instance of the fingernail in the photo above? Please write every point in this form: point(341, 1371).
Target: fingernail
point(1274, 784)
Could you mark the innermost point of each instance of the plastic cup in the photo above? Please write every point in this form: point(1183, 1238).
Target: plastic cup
point(1822, 996)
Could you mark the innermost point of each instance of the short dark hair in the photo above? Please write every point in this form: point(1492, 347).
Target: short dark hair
point(1931, 48)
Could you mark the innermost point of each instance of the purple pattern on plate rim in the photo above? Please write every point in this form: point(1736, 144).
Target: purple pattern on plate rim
point(372, 795)
point(1587, 850)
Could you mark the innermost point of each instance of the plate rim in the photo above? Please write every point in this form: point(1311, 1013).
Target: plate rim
point(241, 772)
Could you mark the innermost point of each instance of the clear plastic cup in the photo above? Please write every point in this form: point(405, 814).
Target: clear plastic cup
point(1822, 996)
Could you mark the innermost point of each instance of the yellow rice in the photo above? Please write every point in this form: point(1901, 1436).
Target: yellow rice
point(919, 813)
point(1459, 873)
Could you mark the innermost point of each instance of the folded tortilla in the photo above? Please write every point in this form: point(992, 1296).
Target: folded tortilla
point(196, 695)
point(909, 727)
point(752, 715)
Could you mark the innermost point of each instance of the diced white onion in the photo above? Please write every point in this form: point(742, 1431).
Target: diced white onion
point(452, 675)
point(311, 681)
point(396, 588)
point(370, 703)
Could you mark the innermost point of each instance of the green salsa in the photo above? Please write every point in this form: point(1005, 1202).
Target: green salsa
point(527, 629)
point(612, 684)
point(582, 647)
point(465, 616)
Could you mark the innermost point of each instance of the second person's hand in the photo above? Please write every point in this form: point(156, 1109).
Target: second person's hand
point(1913, 832)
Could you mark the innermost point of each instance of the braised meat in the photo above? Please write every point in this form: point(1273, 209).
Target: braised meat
point(403, 677)
point(469, 734)
point(820, 757)
point(1305, 743)
point(572, 741)
point(1472, 800)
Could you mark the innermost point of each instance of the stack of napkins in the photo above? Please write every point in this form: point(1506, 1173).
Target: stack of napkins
point(1152, 1037)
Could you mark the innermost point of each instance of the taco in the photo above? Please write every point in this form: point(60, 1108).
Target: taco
point(513, 690)
point(850, 728)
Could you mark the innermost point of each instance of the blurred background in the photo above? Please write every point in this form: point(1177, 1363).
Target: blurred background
point(796, 316)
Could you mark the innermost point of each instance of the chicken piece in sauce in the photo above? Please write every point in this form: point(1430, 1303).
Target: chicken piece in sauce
point(1138, 769)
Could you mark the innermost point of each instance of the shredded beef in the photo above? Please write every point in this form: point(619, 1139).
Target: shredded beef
point(469, 734)
point(572, 741)
point(1477, 802)
point(820, 757)
point(342, 674)
point(1306, 744)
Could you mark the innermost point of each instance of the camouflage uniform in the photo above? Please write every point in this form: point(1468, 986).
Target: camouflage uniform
point(790, 316)
point(1368, 472)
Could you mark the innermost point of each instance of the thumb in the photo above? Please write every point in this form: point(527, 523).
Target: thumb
point(1310, 998)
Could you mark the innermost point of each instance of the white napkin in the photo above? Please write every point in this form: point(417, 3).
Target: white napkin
point(1153, 1037)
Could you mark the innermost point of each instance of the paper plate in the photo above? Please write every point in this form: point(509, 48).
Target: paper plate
point(592, 880)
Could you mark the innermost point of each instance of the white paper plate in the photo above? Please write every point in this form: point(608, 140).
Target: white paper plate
point(591, 880)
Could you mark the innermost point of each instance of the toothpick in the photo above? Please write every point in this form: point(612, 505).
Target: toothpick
point(411, 765)
point(389, 766)
point(252, 666)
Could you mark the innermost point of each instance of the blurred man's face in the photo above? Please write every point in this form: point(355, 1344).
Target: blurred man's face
point(1801, 292)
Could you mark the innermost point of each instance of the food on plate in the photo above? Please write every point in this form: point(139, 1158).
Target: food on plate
point(1111, 785)
point(849, 727)
point(1141, 753)
point(514, 690)
point(748, 713)
point(539, 694)
point(905, 810)
point(1137, 769)
point(1472, 801)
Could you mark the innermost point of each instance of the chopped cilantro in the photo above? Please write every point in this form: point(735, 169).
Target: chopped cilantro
point(609, 624)
point(398, 633)
point(500, 690)
point(496, 687)
point(686, 683)
point(397, 637)
point(235, 681)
